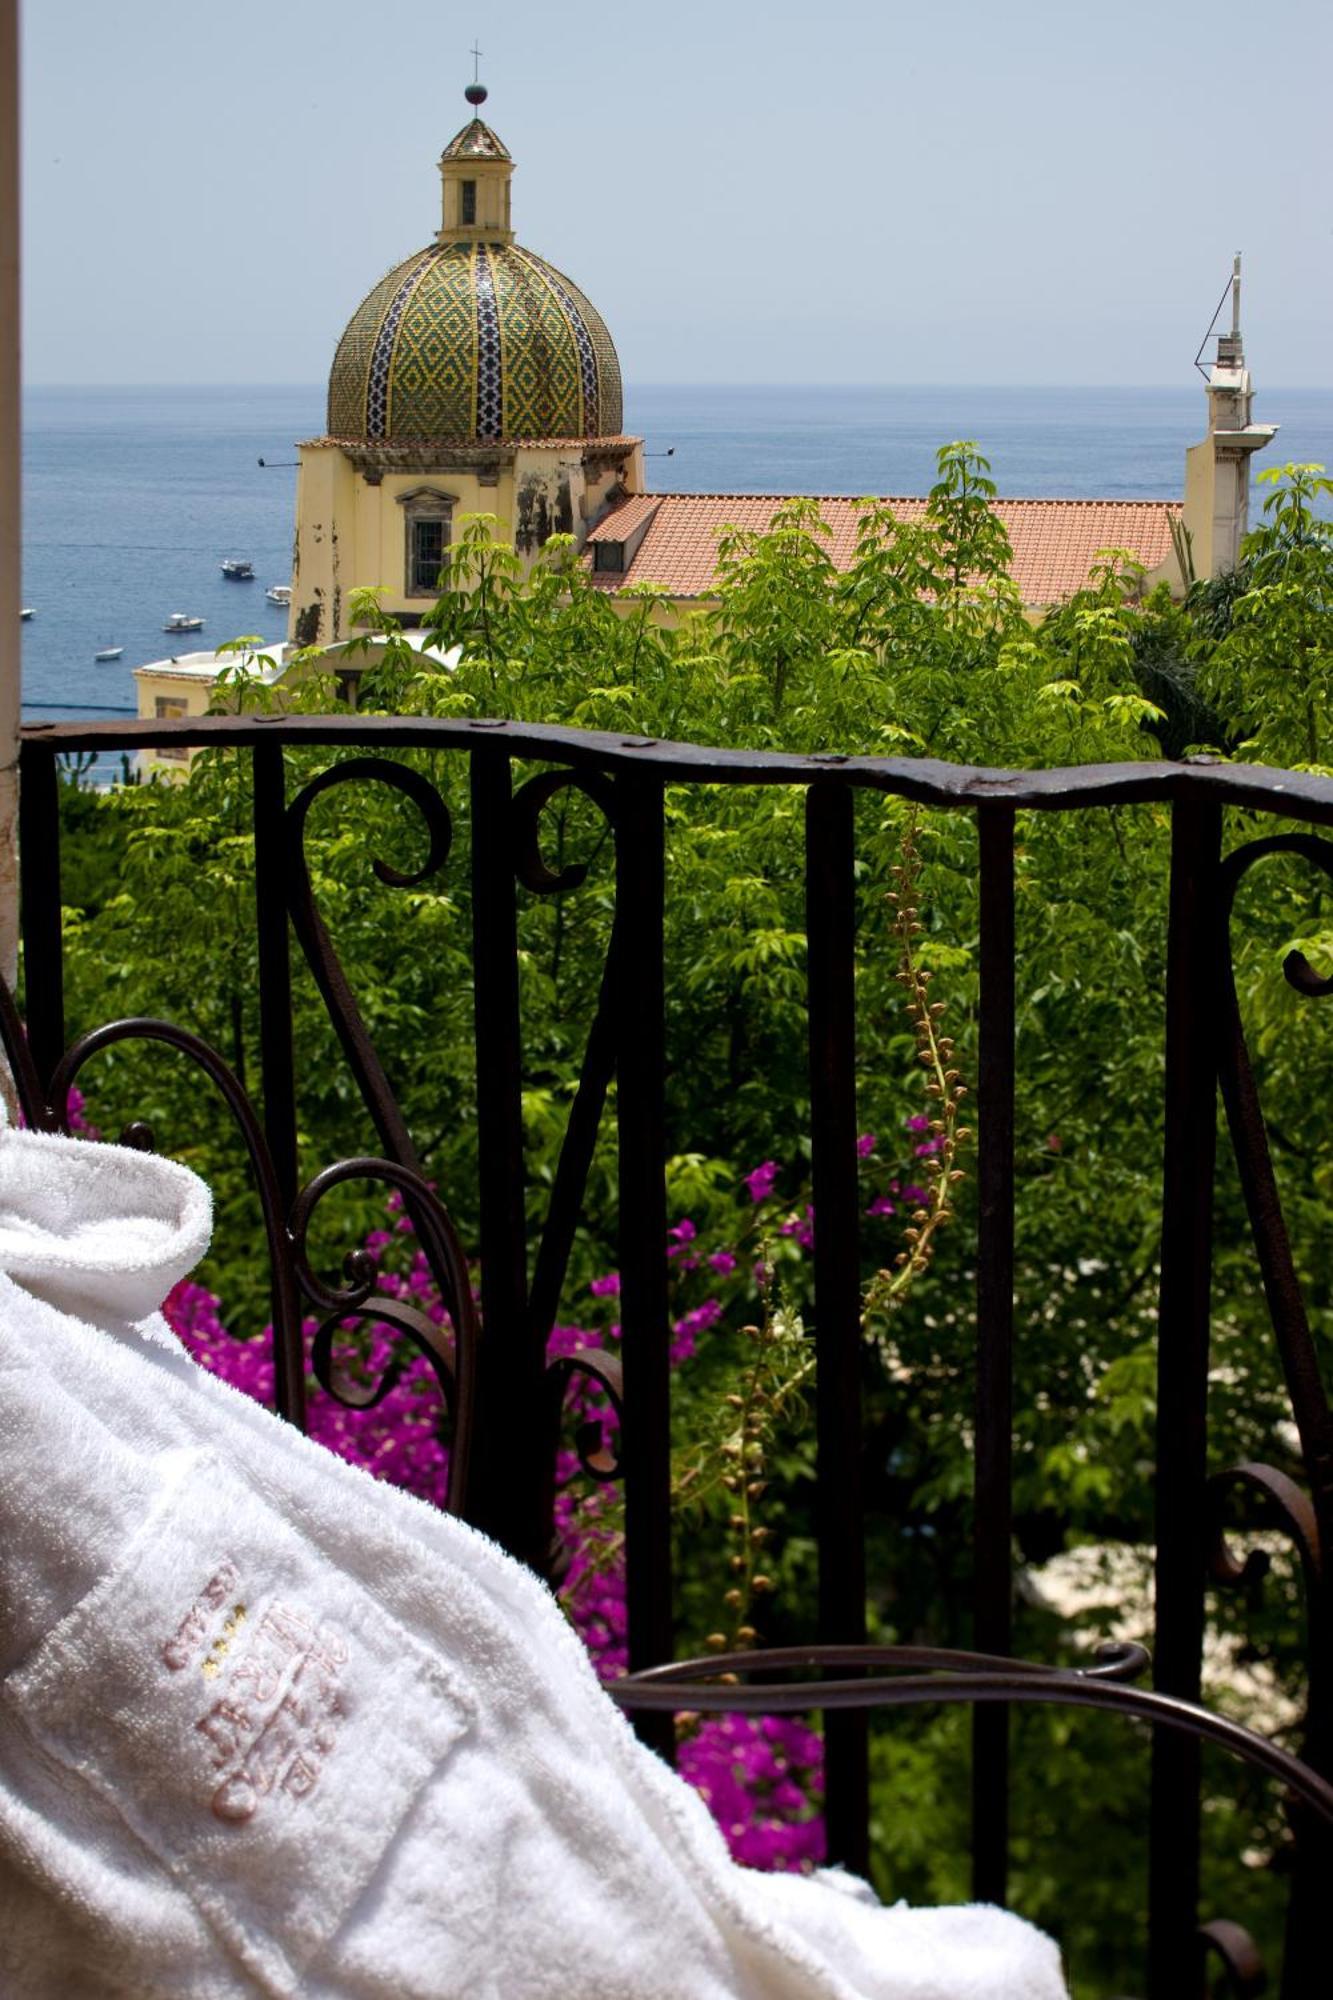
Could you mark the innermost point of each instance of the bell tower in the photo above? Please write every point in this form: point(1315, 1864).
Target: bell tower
point(1217, 471)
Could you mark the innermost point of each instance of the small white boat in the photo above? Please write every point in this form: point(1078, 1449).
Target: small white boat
point(26, 611)
point(238, 571)
point(181, 621)
point(108, 652)
point(279, 593)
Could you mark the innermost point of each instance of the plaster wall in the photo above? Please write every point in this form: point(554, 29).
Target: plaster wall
point(1200, 476)
point(351, 530)
point(1217, 502)
point(166, 695)
point(325, 560)
point(382, 552)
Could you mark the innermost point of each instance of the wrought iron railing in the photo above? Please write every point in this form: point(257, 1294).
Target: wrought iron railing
point(504, 1396)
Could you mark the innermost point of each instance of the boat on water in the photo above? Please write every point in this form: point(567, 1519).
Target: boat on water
point(108, 652)
point(182, 621)
point(25, 611)
point(238, 571)
point(279, 593)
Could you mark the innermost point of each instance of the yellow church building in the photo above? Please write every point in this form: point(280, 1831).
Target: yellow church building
point(474, 378)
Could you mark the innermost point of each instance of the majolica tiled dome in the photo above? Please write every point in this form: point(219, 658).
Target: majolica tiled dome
point(474, 340)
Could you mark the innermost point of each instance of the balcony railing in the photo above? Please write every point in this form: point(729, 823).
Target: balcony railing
point(503, 1397)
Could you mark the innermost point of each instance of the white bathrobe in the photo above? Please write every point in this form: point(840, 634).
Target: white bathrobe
point(270, 1727)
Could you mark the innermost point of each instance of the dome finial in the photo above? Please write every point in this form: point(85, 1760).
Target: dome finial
point(476, 92)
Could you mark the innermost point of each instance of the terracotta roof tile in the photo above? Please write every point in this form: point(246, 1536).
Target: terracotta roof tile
point(476, 141)
point(625, 517)
point(1055, 542)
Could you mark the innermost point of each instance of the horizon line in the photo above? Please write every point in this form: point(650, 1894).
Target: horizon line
point(1132, 388)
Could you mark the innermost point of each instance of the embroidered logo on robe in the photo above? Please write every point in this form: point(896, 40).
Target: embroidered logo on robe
point(278, 1705)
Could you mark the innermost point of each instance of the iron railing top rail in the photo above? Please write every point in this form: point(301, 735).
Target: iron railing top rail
point(927, 780)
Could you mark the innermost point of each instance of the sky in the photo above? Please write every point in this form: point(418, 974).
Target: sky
point(859, 192)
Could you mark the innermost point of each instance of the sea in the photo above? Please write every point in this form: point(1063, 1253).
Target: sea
point(133, 496)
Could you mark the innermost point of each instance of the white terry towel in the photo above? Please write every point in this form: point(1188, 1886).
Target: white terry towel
point(267, 1726)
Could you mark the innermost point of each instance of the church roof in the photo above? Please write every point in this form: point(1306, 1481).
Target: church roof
point(476, 141)
point(670, 539)
point(479, 341)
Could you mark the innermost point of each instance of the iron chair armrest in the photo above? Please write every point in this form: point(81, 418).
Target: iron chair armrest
point(912, 1675)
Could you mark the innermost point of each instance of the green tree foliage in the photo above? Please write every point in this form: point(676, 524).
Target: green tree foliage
point(1273, 668)
point(920, 648)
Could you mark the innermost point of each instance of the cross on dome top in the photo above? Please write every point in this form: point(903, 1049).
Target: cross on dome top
point(476, 92)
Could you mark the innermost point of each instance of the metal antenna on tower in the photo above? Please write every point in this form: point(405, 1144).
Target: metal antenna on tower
point(1233, 286)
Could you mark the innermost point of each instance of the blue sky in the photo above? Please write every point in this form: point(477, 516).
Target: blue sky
point(1046, 192)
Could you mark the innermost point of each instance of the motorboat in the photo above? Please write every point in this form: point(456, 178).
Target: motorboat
point(26, 611)
point(279, 593)
point(108, 652)
point(181, 621)
point(237, 571)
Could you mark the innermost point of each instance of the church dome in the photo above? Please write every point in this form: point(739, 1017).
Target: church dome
point(474, 339)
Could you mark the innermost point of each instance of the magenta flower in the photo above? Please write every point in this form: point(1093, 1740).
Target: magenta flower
point(865, 1145)
point(685, 1333)
point(762, 1778)
point(760, 1182)
point(918, 1122)
point(681, 1237)
point(881, 1205)
point(800, 1227)
point(607, 1287)
point(74, 1117)
point(723, 1262)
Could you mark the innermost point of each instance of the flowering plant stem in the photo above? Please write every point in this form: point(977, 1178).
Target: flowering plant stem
point(889, 1288)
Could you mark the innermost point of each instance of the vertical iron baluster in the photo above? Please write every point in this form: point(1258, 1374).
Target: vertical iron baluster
point(507, 1485)
point(275, 970)
point(39, 875)
point(1188, 1163)
point(275, 1054)
point(993, 1476)
point(641, 1130)
point(830, 922)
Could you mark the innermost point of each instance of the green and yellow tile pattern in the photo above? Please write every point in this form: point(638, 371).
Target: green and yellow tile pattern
point(469, 341)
